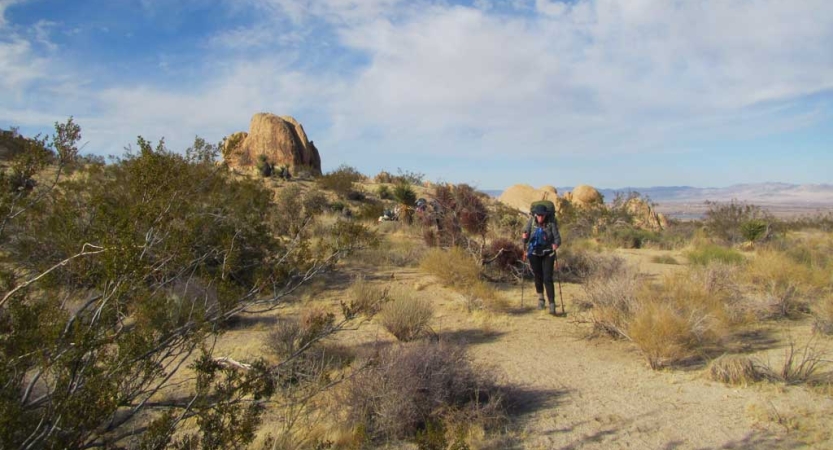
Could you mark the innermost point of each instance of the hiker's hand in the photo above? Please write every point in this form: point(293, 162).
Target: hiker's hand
point(525, 235)
point(523, 257)
point(554, 247)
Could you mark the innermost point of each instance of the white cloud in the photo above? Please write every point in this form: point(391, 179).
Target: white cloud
point(550, 7)
point(19, 66)
point(4, 5)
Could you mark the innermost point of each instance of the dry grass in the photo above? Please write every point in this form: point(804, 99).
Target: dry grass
point(823, 315)
point(454, 267)
point(365, 298)
point(460, 271)
point(801, 365)
point(783, 287)
point(664, 259)
point(611, 297)
point(407, 315)
point(735, 370)
point(393, 251)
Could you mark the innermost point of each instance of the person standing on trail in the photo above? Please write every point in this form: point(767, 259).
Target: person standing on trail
point(542, 239)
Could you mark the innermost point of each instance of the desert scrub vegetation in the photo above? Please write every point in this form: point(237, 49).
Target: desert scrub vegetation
point(407, 315)
point(736, 222)
point(783, 287)
point(116, 283)
point(458, 269)
point(341, 181)
point(682, 317)
point(409, 389)
point(705, 254)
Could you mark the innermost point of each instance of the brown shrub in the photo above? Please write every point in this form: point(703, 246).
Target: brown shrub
point(734, 370)
point(823, 315)
point(406, 316)
point(410, 386)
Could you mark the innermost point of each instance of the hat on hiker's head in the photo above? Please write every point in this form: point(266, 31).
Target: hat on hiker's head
point(540, 210)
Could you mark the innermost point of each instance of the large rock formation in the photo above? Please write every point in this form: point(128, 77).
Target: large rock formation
point(644, 215)
point(281, 140)
point(584, 196)
point(520, 196)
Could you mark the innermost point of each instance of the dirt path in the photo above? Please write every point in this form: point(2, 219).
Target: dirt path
point(599, 394)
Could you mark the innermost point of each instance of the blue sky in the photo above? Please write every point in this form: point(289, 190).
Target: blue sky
point(611, 93)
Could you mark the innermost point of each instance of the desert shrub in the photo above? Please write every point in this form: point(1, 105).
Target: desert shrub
point(337, 206)
point(264, 166)
point(289, 207)
point(356, 195)
point(370, 211)
point(384, 177)
point(404, 194)
point(679, 318)
point(409, 386)
point(505, 221)
point(97, 307)
point(406, 316)
point(823, 315)
point(365, 298)
point(801, 365)
point(340, 180)
point(754, 230)
point(291, 335)
point(455, 211)
point(784, 287)
point(384, 192)
point(629, 237)
point(610, 298)
point(503, 254)
point(576, 264)
point(735, 370)
point(314, 202)
point(727, 221)
point(664, 259)
point(454, 267)
point(669, 322)
point(709, 253)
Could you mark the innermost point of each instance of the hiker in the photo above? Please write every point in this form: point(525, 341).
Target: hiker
point(541, 238)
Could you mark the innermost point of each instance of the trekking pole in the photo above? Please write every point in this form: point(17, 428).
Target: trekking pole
point(558, 277)
point(523, 282)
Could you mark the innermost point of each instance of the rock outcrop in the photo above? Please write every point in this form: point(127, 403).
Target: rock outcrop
point(520, 196)
point(644, 215)
point(281, 140)
point(583, 196)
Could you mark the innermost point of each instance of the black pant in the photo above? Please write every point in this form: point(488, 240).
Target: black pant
point(542, 267)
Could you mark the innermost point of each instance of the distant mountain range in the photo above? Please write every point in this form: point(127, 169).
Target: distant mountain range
point(758, 193)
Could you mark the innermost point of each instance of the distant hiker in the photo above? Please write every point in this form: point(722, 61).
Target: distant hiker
point(542, 239)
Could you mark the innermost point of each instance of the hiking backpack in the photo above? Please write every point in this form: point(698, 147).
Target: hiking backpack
point(538, 242)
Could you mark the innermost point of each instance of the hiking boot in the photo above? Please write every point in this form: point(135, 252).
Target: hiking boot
point(540, 303)
point(552, 308)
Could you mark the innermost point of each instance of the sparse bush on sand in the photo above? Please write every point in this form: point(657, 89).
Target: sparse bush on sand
point(406, 316)
point(736, 370)
point(409, 386)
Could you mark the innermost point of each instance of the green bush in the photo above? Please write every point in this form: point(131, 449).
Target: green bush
point(340, 180)
point(726, 221)
point(708, 254)
point(129, 270)
point(384, 192)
